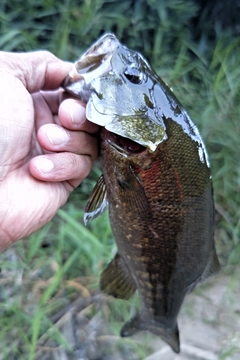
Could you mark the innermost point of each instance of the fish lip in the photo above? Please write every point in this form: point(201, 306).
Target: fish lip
point(118, 148)
point(113, 140)
point(126, 153)
point(95, 62)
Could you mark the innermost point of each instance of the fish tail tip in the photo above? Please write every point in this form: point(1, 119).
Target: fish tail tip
point(175, 347)
point(170, 336)
point(173, 339)
point(131, 326)
point(177, 351)
point(123, 333)
point(126, 331)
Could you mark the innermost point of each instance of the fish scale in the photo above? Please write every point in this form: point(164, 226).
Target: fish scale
point(141, 260)
point(156, 182)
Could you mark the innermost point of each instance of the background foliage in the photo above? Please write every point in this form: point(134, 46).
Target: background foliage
point(195, 47)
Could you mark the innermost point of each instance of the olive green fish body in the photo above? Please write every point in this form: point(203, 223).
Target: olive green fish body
point(156, 182)
point(163, 220)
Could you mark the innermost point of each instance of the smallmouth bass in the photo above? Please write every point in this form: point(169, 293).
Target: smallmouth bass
point(156, 182)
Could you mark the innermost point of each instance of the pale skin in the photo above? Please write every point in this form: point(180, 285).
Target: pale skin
point(46, 144)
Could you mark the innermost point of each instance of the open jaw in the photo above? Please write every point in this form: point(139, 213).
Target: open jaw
point(122, 143)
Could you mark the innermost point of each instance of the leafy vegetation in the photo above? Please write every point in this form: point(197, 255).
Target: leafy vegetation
point(52, 277)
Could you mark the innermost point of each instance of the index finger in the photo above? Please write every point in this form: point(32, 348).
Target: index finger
point(39, 70)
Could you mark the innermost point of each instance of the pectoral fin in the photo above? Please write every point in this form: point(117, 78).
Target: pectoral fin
point(169, 335)
point(116, 281)
point(97, 202)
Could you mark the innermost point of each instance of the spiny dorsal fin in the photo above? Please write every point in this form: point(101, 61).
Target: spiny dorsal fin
point(115, 280)
point(97, 202)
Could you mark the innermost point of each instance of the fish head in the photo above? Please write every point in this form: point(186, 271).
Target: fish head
point(118, 86)
point(128, 99)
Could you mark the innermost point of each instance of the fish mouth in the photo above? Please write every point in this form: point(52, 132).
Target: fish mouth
point(123, 145)
point(94, 63)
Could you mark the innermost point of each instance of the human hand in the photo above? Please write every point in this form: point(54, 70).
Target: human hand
point(46, 146)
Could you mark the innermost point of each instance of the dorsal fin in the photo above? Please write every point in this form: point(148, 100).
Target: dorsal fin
point(97, 202)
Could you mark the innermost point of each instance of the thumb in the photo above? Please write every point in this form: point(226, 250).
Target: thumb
point(38, 70)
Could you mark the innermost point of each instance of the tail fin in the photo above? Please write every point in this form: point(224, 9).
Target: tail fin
point(169, 335)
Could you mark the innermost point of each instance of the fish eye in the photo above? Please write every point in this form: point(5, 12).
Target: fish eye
point(133, 75)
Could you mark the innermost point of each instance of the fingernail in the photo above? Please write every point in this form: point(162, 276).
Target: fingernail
point(57, 135)
point(77, 113)
point(44, 165)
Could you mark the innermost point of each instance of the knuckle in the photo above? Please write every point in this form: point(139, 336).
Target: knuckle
point(86, 165)
point(45, 54)
point(78, 166)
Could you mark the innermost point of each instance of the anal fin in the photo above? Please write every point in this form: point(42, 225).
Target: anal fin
point(116, 281)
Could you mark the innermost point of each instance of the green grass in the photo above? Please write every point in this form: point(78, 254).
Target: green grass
point(46, 276)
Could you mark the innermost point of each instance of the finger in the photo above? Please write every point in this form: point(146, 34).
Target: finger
point(61, 167)
point(55, 138)
point(38, 70)
point(72, 115)
point(52, 99)
point(45, 106)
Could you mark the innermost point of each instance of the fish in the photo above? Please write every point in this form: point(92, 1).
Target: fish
point(156, 182)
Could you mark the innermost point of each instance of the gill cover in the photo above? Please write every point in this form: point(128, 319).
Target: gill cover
point(117, 85)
